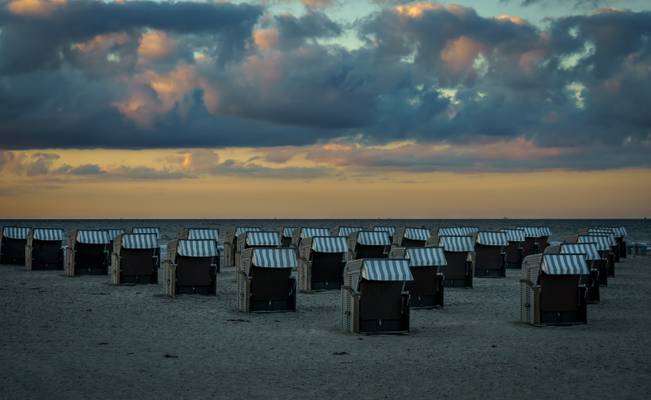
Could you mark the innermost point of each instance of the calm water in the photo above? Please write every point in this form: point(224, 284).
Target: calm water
point(638, 230)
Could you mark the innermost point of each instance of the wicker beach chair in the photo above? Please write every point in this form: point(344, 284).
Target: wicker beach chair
point(373, 298)
point(427, 265)
point(368, 244)
point(411, 237)
point(460, 256)
point(13, 240)
point(87, 253)
point(595, 266)
point(44, 249)
point(514, 250)
point(135, 259)
point(230, 243)
point(490, 258)
point(607, 246)
point(391, 230)
point(321, 262)
point(191, 267)
point(266, 283)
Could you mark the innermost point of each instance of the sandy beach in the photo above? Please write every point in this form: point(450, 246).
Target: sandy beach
point(74, 338)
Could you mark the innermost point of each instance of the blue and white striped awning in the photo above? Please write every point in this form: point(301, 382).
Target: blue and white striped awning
point(244, 229)
point(347, 230)
point(564, 264)
point(48, 234)
point(260, 238)
point(388, 229)
point(532, 231)
point(620, 231)
point(150, 230)
point(197, 248)
point(589, 249)
point(310, 232)
point(113, 233)
point(610, 236)
point(371, 238)
point(426, 257)
point(329, 244)
point(545, 231)
point(452, 231)
point(457, 243)
point(386, 270)
point(492, 239)
point(514, 235)
point(93, 237)
point(288, 231)
point(203, 234)
point(421, 234)
point(602, 242)
point(274, 258)
point(140, 241)
point(15, 232)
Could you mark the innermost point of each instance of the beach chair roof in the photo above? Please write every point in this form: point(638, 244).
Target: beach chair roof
point(85, 236)
point(113, 233)
point(373, 238)
point(310, 232)
point(486, 238)
point(620, 231)
point(15, 232)
point(589, 249)
point(347, 230)
point(603, 242)
point(244, 229)
point(533, 231)
point(329, 244)
point(197, 248)
point(514, 234)
point(274, 258)
point(421, 234)
point(564, 264)
point(140, 241)
point(457, 231)
point(386, 270)
point(389, 229)
point(203, 234)
point(426, 257)
point(457, 243)
point(48, 234)
point(260, 238)
point(147, 229)
point(288, 231)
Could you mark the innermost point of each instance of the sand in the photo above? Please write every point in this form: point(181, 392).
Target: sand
point(69, 338)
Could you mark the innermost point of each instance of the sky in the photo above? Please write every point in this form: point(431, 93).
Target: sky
point(325, 109)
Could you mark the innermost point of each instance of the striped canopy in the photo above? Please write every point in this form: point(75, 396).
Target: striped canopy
point(371, 238)
point(388, 229)
point(452, 231)
point(15, 232)
point(589, 249)
point(426, 257)
point(93, 237)
point(197, 248)
point(113, 233)
point(140, 241)
point(274, 258)
point(603, 243)
point(545, 231)
point(457, 243)
point(203, 234)
point(564, 264)
point(48, 234)
point(347, 230)
point(244, 229)
point(620, 231)
point(514, 235)
point(288, 231)
point(310, 232)
point(329, 244)
point(260, 238)
point(492, 239)
point(417, 234)
point(386, 270)
point(151, 230)
point(532, 231)
point(610, 236)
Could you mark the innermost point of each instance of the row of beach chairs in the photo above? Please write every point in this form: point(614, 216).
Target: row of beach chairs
point(381, 272)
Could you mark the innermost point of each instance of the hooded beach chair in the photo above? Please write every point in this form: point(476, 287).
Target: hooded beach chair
point(88, 253)
point(373, 298)
point(345, 231)
point(191, 267)
point(460, 255)
point(620, 235)
point(13, 240)
point(230, 243)
point(306, 232)
point(44, 250)
point(202, 234)
point(287, 233)
point(550, 289)
point(514, 250)
point(607, 245)
point(426, 265)
point(266, 282)
point(490, 258)
point(534, 240)
point(411, 237)
point(261, 239)
point(391, 230)
point(135, 258)
point(594, 262)
point(457, 231)
point(321, 262)
point(615, 242)
point(369, 244)
point(147, 229)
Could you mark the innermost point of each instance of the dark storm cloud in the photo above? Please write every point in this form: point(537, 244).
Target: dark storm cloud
point(445, 74)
